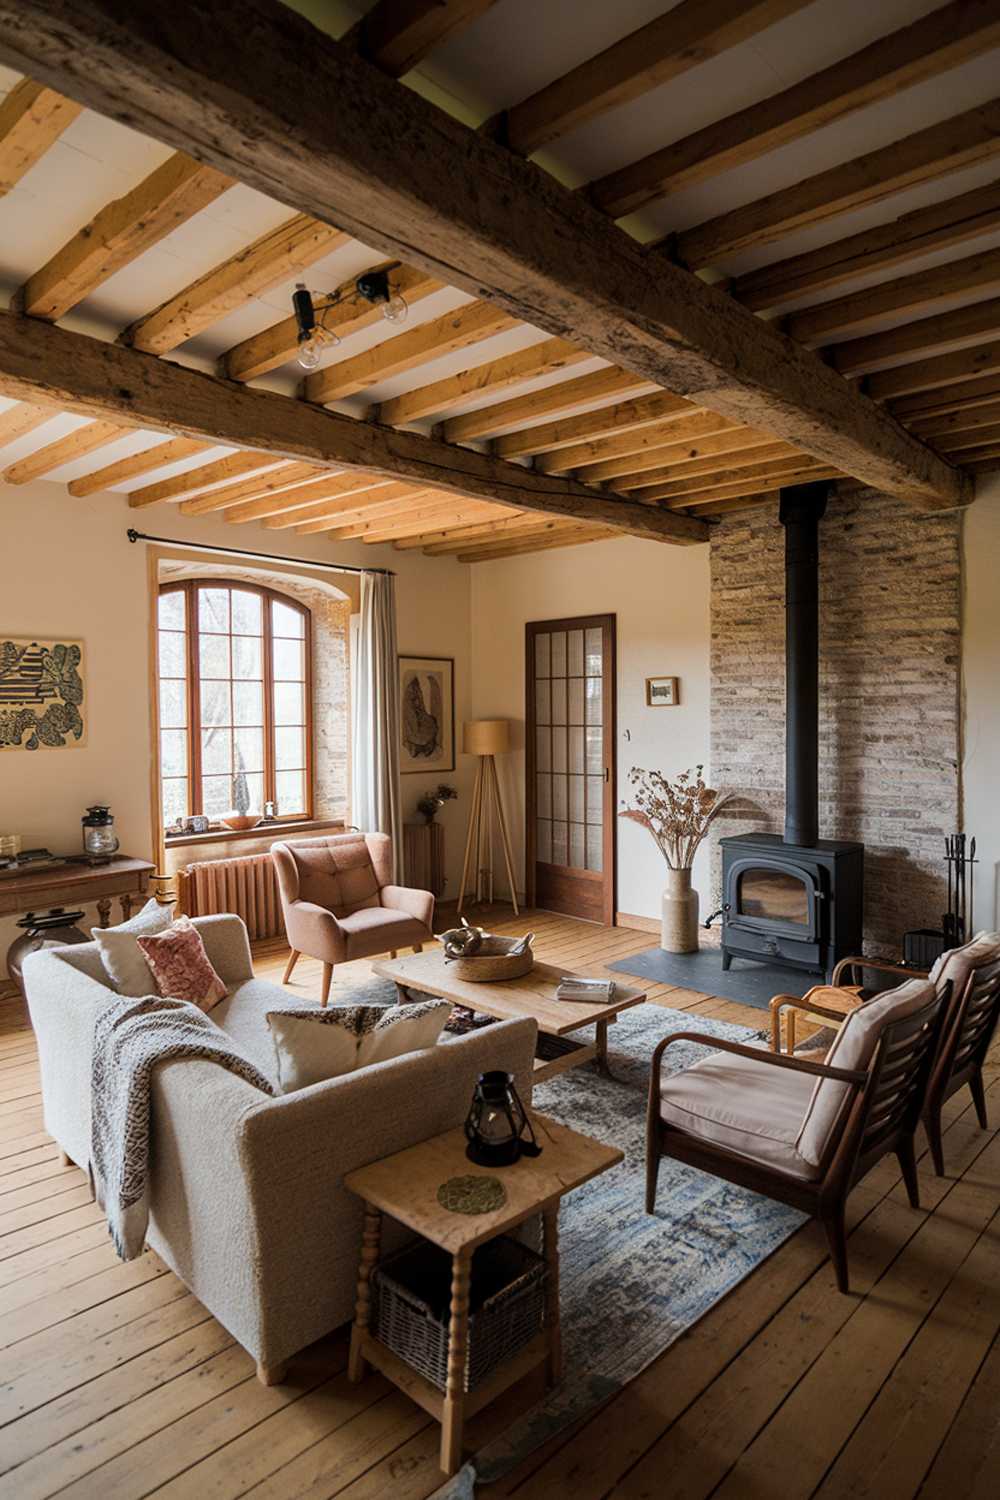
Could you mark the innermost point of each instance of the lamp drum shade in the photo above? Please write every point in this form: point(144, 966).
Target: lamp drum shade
point(486, 737)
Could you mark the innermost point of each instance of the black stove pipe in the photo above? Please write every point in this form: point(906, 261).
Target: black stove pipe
point(801, 510)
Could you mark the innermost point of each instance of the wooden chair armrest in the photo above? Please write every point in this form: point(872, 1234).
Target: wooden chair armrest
point(813, 1007)
point(880, 967)
point(772, 1059)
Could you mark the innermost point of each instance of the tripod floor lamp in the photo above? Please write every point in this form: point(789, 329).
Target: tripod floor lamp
point(486, 738)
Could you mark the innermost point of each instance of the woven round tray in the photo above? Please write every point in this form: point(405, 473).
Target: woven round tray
point(494, 961)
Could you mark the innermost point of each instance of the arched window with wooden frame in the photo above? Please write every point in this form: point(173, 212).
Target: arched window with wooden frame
point(235, 685)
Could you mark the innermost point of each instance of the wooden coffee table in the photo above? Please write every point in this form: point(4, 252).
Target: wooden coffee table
point(405, 1187)
point(533, 996)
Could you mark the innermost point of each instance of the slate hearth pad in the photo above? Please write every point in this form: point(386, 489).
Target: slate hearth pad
point(746, 981)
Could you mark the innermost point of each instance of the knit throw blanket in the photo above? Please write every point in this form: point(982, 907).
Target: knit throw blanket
point(130, 1038)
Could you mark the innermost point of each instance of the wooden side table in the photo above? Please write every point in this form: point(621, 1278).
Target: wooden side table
point(405, 1186)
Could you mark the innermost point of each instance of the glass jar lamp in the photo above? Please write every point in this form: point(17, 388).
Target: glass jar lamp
point(497, 1123)
point(99, 840)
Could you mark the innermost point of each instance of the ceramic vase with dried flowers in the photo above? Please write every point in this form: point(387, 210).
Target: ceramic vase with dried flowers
point(677, 814)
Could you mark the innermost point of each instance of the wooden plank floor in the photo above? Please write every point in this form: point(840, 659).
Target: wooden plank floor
point(117, 1384)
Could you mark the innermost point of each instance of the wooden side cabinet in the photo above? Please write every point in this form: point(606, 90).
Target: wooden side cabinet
point(423, 856)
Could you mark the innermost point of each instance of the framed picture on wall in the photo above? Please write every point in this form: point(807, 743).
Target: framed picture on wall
point(662, 692)
point(42, 692)
point(426, 714)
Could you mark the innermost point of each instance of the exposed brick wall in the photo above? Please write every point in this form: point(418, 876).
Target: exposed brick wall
point(890, 726)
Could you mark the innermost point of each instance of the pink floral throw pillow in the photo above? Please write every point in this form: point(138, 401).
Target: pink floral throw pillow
point(181, 967)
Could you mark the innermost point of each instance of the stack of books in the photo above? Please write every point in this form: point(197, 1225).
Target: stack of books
point(579, 990)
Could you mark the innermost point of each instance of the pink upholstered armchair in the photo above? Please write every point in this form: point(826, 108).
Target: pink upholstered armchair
point(339, 904)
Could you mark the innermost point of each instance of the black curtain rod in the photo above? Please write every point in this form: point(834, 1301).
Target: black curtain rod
point(305, 562)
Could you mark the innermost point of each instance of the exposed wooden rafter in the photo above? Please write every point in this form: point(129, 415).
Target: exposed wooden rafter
point(969, 325)
point(301, 497)
point(570, 537)
point(32, 118)
point(123, 230)
point(939, 149)
point(480, 381)
point(43, 362)
point(17, 421)
point(76, 444)
point(482, 218)
point(585, 391)
point(687, 35)
point(396, 34)
point(948, 36)
point(941, 370)
point(192, 481)
point(159, 456)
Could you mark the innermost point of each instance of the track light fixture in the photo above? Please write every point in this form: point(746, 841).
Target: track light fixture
point(313, 335)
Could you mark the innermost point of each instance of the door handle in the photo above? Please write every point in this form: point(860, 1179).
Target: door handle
point(607, 774)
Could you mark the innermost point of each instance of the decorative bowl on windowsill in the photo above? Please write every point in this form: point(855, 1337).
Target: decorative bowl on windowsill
point(239, 822)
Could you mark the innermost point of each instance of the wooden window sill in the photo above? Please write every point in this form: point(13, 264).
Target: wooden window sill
point(274, 831)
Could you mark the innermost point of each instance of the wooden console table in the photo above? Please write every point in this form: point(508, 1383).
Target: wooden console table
point(65, 885)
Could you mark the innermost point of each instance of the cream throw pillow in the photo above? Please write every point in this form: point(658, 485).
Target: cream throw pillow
point(313, 1044)
point(123, 959)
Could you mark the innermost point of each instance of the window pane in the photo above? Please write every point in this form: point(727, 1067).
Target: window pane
point(289, 661)
point(216, 752)
point(288, 703)
point(544, 795)
point(559, 653)
point(543, 749)
point(576, 763)
point(173, 705)
point(213, 610)
point(289, 787)
point(215, 707)
point(542, 655)
point(558, 700)
point(175, 799)
point(289, 749)
point(248, 703)
point(595, 799)
point(576, 700)
point(595, 651)
point(173, 654)
point(558, 749)
point(543, 701)
point(171, 610)
point(543, 840)
point(216, 795)
point(213, 656)
point(595, 749)
point(594, 700)
point(173, 752)
point(577, 849)
point(595, 847)
point(255, 786)
point(576, 799)
point(246, 613)
point(248, 657)
point(559, 797)
point(285, 621)
point(574, 653)
point(250, 749)
point(560, 850)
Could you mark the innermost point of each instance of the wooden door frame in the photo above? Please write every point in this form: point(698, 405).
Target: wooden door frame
point(608, 624)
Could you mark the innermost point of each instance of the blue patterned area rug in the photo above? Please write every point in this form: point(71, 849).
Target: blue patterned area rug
point(631, 1283)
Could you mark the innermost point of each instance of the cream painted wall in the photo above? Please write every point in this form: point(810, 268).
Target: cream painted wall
point(660, 595)
point(69, 570)
point(981, 677)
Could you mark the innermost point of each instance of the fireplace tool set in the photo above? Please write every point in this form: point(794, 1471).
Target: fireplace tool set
point(957, 920)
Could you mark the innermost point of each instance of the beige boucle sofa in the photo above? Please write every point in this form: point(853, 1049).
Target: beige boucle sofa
point(247, 1200)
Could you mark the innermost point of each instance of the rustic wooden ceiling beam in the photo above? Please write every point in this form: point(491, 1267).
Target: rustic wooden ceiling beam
point(969, 325)
point(123, 230)
point(921, 232)
point(932, 428)
point(136, 464)
point(274, 257)
point(604, 422)
point(965, 442)
point(667, 433)
point(406, 520)
point(597, 390)
point(456, 330)
point(931, 374)
point(41, 362)
point(343, 313)
point(732, 439)
point(76, 444)
point(689, 34)
point(716, 508)
point(488, 534)
point(930, 153)
point(711, 464)
point(930, 46)
point(282, 478)
point(914, 295)
point(480, 381)
point(17, 421)
point(303, 498)
point(248, 91)
point(573, 538)
point(233, 466)
point(32, 118)
point(950, 398)
point(729, 482)
point(396, 34)
point(370, 492)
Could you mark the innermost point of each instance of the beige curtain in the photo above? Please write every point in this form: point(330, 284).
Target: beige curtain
point(375, 768)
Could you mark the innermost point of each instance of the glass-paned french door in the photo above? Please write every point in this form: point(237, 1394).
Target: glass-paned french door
point(570, 756)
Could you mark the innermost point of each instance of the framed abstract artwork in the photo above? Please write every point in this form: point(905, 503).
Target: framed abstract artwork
point(42, 697)
point(426, 714)
point(662, 692)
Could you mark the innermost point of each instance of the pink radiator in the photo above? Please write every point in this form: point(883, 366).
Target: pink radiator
point(246, 885)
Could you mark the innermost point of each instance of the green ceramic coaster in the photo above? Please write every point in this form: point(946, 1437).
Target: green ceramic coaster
point(472, 1195)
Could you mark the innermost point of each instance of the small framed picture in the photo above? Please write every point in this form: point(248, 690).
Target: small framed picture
point(427, 714)
point(662, 692)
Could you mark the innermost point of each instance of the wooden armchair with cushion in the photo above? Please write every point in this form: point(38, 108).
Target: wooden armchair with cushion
point(799, 1131)
point(339, 903)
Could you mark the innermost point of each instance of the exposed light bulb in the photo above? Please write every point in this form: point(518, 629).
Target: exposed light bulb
point(395, 309)
point(309, 353)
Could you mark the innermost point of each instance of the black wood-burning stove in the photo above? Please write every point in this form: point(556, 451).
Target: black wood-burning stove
point(796, 899)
